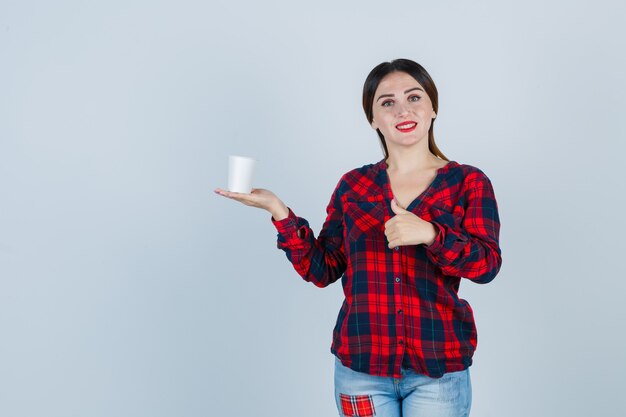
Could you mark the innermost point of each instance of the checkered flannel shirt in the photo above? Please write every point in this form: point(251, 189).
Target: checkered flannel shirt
point(401, 305)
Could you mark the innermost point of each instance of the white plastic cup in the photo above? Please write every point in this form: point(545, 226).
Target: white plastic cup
point(240, 173)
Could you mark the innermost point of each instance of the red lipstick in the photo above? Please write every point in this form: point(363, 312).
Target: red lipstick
point(406, 126)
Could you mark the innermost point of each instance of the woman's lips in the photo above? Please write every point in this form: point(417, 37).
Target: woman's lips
point(403, 127)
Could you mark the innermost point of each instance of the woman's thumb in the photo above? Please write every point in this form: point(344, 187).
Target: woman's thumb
point(396, 207)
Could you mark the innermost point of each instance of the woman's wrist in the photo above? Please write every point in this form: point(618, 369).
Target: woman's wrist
point(432, 235)
point(279, 211)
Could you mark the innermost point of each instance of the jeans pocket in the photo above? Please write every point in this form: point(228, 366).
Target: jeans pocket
point(451, 386)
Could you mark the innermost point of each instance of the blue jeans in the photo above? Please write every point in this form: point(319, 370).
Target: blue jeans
point(413, 395)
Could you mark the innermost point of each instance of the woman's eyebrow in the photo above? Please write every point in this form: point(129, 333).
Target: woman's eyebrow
point(391, 95)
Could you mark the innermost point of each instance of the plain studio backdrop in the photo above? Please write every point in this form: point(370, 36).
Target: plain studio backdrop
point(128, 288)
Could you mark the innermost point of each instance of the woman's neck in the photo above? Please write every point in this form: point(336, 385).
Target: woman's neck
point(410, 160)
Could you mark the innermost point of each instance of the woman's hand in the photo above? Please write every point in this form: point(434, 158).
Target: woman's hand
point(405, 228)
point(260, 198)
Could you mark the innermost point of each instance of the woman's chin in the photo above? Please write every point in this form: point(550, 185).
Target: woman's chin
point(406, 141)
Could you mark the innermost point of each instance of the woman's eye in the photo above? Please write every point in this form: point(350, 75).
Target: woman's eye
point(390, 102)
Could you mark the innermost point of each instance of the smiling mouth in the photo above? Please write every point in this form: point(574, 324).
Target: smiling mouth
point(407, 127)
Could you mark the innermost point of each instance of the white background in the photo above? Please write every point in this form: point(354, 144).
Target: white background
point(128, 288)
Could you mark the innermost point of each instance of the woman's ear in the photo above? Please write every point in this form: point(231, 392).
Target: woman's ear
point(434, 114)
point(374, 124)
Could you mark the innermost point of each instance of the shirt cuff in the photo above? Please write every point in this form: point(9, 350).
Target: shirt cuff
point(438, 242)
point(285, 224)
point(288, 226)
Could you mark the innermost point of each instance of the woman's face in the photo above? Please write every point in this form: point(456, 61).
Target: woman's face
point(402, 110)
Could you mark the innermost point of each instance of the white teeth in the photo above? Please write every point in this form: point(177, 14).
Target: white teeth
point(407, 126)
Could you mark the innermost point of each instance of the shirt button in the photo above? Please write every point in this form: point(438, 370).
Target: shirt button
point(400, 311)
point(397, 279)
point(401, 342)
point(397, 248)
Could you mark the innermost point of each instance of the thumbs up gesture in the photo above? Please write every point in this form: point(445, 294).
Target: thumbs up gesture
point(405, 228)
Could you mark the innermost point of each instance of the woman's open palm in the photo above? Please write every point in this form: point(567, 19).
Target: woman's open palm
point(258, 197)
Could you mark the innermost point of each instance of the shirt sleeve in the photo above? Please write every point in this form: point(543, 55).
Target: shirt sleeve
point(472, 251)
point(320, 260)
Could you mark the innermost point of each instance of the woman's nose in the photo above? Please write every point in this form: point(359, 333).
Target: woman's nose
point(402, 108)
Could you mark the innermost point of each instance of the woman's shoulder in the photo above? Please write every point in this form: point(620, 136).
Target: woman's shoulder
point(469, 175)
point(460, 167)
point(367, 170)
point(371, 167)
point(364, 179)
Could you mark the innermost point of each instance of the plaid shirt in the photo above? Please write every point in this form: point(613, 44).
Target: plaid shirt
point(401, 305)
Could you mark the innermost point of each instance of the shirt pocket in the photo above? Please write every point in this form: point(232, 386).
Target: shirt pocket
point(365, 218)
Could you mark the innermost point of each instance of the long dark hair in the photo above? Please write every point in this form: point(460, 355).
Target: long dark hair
point(416, 71)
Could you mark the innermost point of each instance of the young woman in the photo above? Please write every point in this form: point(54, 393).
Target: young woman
point(401, 233)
